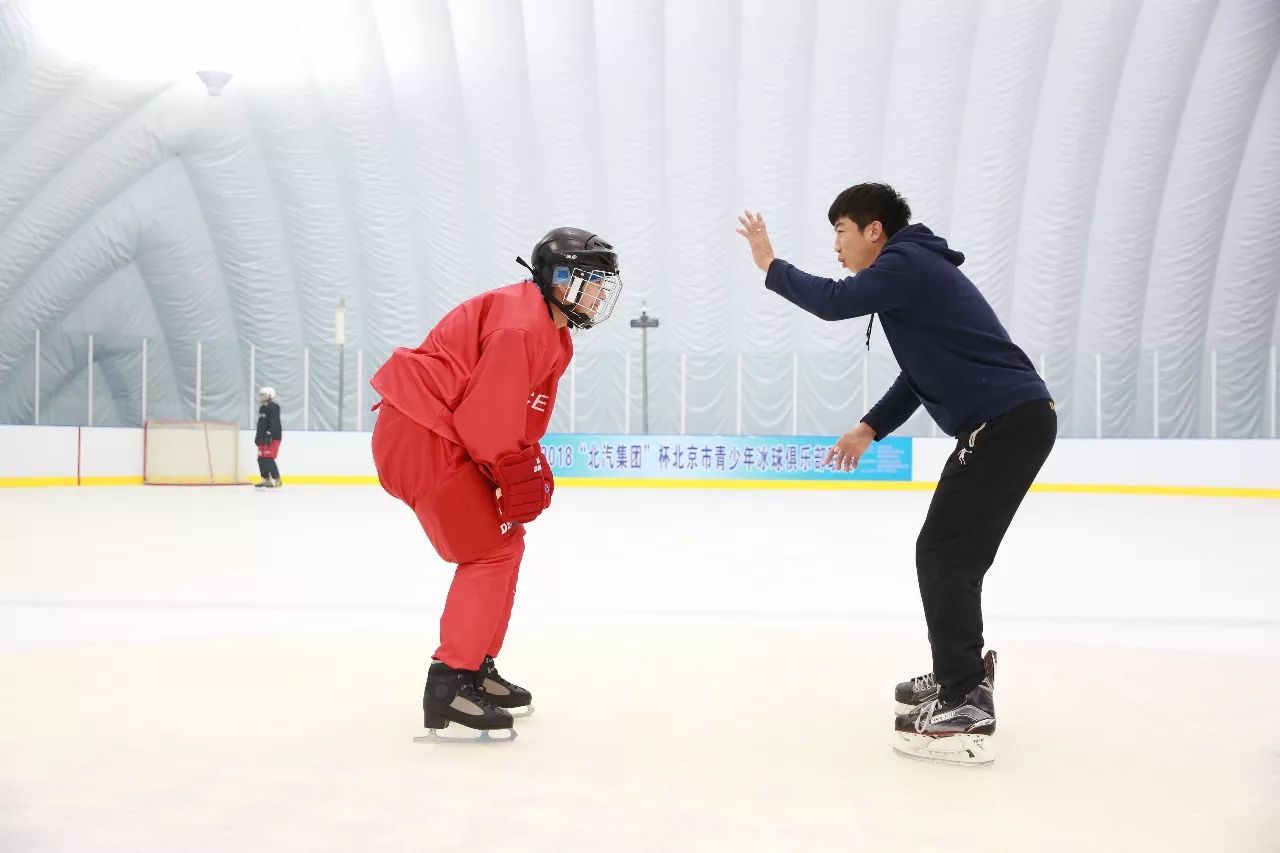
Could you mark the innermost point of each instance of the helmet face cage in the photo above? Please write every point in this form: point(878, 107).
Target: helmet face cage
point(578, 273)
point(591, 294)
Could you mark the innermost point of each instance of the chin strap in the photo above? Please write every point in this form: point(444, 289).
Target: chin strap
point(521, 262)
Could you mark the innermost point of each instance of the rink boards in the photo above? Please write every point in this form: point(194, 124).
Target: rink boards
point(68, 456)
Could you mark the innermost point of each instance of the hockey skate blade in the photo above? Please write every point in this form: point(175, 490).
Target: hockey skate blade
point(964, 750)
point(473, 737)
point(520, 713)
point(902, 708)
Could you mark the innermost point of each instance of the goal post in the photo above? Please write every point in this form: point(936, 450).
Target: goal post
point(191, 453)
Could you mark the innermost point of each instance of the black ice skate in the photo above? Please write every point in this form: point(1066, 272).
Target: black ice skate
point(451, 696)
point(909, 694)
point(502, 693)
point(922, 688)
point(958, 731)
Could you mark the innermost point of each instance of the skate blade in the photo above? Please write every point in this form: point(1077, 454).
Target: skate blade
point(902, 708)
point(964, 750)
point(474, 736)
point(520, 713)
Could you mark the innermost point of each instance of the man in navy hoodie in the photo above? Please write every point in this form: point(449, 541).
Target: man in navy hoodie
point(958, 362)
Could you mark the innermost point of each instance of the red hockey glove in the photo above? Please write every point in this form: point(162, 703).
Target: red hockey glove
point(525, 482)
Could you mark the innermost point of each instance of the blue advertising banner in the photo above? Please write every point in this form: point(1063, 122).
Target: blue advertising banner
point(717, 457)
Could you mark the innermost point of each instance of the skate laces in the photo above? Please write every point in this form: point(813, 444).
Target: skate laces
point(489, 669)
point(925, 714)
point(471, 691)
point(923, 682)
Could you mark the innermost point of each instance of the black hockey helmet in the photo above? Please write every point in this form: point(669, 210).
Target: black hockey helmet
point(586, 266)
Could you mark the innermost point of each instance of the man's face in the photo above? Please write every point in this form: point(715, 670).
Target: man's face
point(592, 295)
point(857, 247)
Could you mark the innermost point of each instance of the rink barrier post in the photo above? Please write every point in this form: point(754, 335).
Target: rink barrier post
point(89, 395)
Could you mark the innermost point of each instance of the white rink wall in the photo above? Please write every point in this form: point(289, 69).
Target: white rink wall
point(49, 455)
point(1187, 463)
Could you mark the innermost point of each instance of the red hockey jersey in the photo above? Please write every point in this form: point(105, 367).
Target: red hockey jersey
point(486, 376)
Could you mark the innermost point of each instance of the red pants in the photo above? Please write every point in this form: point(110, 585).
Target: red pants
point(456, 506)
point(269, 451)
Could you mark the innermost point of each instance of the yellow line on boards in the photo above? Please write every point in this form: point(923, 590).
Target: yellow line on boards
point(1168, 491)
point(920, 486)
point(788, 485)
point(318, 480)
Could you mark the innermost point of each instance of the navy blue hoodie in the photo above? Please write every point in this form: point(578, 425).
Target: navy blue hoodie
point(956, 357)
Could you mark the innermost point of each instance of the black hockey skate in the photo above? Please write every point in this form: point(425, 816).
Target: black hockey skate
point(502, 693)
point(922, 688)
point(958, 731)
point(909, 694)
point(451, 696)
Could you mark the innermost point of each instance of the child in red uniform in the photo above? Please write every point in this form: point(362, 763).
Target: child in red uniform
point(457, 440)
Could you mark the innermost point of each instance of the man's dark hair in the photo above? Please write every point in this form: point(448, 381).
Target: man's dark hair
point(867, 203)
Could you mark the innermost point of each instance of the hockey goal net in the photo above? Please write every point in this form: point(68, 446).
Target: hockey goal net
point(191, 453)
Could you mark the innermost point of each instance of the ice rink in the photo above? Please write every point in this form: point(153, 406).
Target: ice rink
point(205, 669)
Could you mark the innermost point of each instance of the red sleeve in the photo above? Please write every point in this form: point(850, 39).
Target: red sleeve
point(490, 420)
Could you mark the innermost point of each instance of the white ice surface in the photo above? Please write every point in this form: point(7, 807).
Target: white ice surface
point(219, 669)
